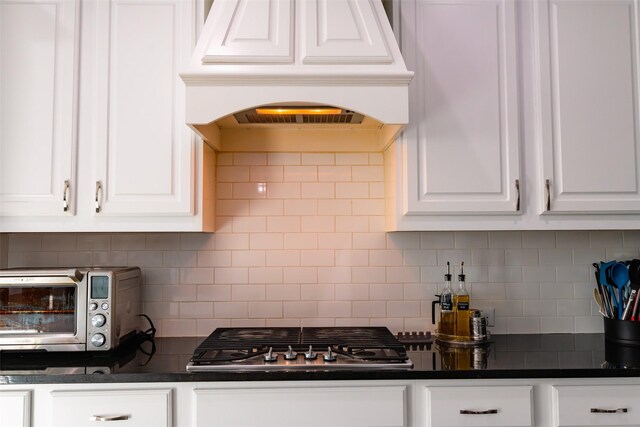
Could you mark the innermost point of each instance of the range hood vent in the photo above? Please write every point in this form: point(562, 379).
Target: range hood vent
point(340, 53)
point(296, 115)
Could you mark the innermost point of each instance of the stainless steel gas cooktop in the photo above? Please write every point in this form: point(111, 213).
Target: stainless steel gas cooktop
point(327, 349)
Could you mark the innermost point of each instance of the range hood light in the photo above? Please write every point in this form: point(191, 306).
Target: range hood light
point(294, 111)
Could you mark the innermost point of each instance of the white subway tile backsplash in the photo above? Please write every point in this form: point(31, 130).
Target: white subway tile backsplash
point(539, 239)
point(300, 240)
point(505, 239)
point(196, 310)
point(300, 173)
point(265, 275)
point(250, 159)
point(471, 239)
point(179, 293)
point(317, 224)
point(231, 310)
point(352, 159)
point(231, 275)
point(556, 325)
point(334, 174)
point(334, 207)
point(369, 241)
point(606, 239)
point(300, 207)
point(287, 159)
point(318, 159)
point(437, 240)
point(556, 290)
point(369, 309)
point(352, 190)
point(352, 224)
point(334, 309)
point(249, 293)
point(262, 207)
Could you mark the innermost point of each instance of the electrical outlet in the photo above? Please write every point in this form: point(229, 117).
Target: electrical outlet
point(491, 316)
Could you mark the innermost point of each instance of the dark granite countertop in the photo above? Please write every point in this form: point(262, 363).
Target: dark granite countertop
point(505, 356)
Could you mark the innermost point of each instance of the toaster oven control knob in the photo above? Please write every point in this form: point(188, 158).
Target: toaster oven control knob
point(98, 340)
point(329, 356)
point(98, 320)
point(311, 355)
point(270, 356)
point(290, 354)
point(93, 306)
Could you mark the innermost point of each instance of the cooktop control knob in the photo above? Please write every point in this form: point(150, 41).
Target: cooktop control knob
point(329, 356)
point(311, 355)
point(98, 340)
point(290, 354)
point(98, 320)
point(270, 356)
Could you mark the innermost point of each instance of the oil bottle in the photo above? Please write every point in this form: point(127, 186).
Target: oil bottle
point(447, 314)
point(461, 306)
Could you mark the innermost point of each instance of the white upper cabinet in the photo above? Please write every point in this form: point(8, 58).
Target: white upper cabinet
point(93, 118)
point(39, 43)
point(462, 143)
point(143, 161)
point(588, 65)
point(524, 116)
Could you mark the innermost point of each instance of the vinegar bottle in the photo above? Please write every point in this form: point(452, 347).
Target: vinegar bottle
point(461, 306)
point(447, 314)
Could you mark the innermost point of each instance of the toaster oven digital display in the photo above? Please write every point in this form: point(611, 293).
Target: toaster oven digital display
point(99, 287)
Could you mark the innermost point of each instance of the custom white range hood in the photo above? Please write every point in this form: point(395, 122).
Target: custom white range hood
point(293, 53)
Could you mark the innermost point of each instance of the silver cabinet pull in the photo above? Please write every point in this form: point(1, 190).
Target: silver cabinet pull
point(98, 194)
point(517, 195)
point(471, 412)
point(109, 417)
point(65, 196)
point(609, 411)
point(547, 186)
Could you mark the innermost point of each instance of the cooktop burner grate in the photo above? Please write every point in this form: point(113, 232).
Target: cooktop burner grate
point(367, 346)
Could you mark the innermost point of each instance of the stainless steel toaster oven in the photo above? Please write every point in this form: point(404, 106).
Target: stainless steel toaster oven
point(90, 309)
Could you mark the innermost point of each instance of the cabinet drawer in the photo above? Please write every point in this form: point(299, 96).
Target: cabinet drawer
point(479, 406)
point(15, 408)
point(131, 408)
point(309, 407)
point(596, 405)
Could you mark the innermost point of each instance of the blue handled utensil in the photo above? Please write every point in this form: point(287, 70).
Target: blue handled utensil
point(607, 283)
point(619, 276)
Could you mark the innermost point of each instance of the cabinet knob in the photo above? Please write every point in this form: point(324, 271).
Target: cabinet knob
point(65, 196)
point(98, 196)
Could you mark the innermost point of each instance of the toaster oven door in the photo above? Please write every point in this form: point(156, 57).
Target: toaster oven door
point(45, 312)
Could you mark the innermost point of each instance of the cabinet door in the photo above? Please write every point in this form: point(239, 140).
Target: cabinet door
point(135, 408)
point(588, 106)
point(312, 407)
point(609, 405)
point(15, 408)
point(491, 406)
point(462, 143)
point(144, 158)
point(38, 105)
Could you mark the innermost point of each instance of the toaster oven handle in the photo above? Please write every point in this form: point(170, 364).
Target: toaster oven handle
point(109, 418)
point(75, 275)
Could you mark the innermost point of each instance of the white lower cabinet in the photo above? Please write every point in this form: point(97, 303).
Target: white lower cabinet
point(492, 406)
point(15, 408)
point(135, 408)
point(596, 406)
point(364, 403)
point(348, 406)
